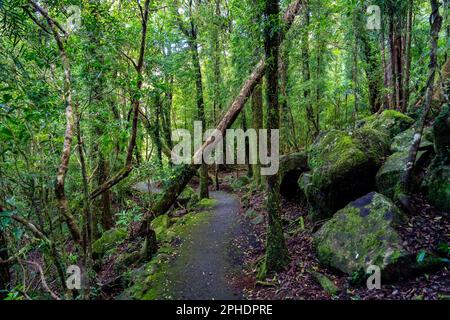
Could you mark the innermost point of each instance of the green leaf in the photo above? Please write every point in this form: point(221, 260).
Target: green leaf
point(421, 256)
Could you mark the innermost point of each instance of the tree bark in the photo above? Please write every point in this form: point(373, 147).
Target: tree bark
point(65, 156)
point(257, 119)
point(407, 56)
point(372, 70)
point(276, 257)
point(406, 178)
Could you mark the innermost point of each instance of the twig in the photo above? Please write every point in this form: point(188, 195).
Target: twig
point(43, 281)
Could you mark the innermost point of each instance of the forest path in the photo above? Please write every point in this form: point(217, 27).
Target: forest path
point(207, 258)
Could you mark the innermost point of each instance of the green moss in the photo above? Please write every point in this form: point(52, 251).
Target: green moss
point(403, 141)
point(108, 240)
point(343, 161)
point(325, 283)
point(206, 203)
point(391, 122)
point(160, 225)
point(361, 234)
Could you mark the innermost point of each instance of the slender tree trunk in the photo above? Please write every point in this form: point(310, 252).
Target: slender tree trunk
point(386, 84)
point(372, 69)
point(407, 56)
point(257, 119)
point(157, 128)
point(276, 251)
point(406, 178)
point(217, 99)
point(65, 155)
point(312, 127)
point(191, 35)
point(87, 223)
point(393, 67)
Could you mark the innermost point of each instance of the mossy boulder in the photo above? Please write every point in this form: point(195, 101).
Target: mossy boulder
point(160, 225)
point(327, 285)
point(390, 122)
point(206, 203)
point(108, 240)
point(437, 183)
point(390, 172)
point(403, 141)
point(343, 167)
point(363, 234)
point(188, 198)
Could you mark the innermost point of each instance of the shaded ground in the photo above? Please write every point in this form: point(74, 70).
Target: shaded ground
point(423, 231)
point(207, 261)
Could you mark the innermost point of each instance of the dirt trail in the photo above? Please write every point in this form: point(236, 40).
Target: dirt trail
point(207, 259)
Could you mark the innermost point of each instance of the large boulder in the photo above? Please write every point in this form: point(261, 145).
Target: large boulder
point(363, 234)
point(391, 171)
point(291, 167)
point(343, 167)
point(390, 122)
point(403, 141)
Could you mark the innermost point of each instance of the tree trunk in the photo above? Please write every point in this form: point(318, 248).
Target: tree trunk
point(65, 155)
point(372, 70)
point(407, 56)
point(312, 127)
point(257, 119)
point(406, 178)
point(276, 257)
point(191, 35)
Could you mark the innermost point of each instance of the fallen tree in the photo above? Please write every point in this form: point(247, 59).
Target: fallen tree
point(186, 172)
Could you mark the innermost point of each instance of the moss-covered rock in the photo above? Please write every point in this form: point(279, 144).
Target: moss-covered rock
point(206, 203)
point(390, 172)
point(403, 141)
point(362, 234)
point(108, 240)
point(437, 183)
point(390, 122)
point(343, 167)
point(325, 283)
point(188, 198)
point(160, 225)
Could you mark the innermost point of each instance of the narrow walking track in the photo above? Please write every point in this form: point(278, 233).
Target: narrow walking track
point(207, 259)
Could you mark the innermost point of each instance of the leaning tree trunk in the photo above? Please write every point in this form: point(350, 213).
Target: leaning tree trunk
point(403, 195)
point(186, 172)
